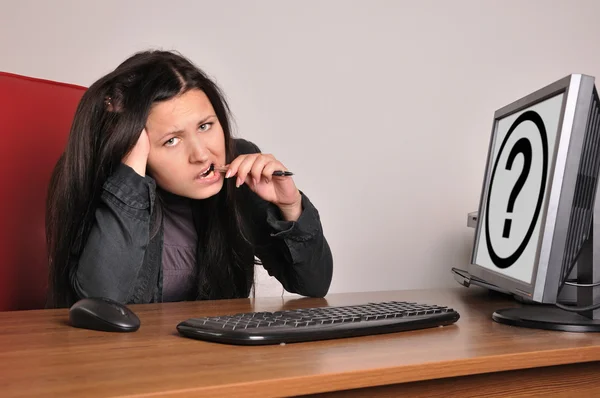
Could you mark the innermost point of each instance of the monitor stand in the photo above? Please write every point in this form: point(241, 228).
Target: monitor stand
point(551, 317)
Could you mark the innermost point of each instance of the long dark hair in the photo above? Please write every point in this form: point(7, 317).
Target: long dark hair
point(107, 125)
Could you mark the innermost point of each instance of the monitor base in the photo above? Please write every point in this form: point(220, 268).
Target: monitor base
point(546, 317)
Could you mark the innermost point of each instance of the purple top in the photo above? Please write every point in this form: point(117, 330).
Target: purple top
point(179, 249)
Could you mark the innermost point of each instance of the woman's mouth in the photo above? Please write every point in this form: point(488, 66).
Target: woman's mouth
point(207, 172)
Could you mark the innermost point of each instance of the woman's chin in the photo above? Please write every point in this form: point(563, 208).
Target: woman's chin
point(201, 190)
point(197, 188)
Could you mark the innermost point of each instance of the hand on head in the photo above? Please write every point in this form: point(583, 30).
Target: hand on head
point(137, 158)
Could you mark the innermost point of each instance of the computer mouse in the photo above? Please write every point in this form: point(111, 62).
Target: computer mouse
point(100, 313)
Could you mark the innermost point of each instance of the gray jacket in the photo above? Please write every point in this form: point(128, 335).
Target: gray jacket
point(121, 262)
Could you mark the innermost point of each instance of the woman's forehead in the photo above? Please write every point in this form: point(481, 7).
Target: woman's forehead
point(189, 108)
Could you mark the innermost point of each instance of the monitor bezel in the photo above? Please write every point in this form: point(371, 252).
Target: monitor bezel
point(534, 290)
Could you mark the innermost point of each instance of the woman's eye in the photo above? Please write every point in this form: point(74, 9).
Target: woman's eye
point(205, 126)
point(172, 141)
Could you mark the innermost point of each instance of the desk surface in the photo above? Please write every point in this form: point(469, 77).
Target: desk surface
point(40, 355)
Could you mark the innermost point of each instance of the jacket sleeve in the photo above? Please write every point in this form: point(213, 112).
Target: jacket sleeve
point(296, 253)
point(114, 251)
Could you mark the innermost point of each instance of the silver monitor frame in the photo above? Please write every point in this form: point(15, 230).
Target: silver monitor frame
point(578, 92)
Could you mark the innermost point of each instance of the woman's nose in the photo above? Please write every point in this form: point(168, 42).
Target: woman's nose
point(198, 152)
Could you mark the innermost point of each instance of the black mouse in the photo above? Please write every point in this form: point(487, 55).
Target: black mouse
point(99, 313)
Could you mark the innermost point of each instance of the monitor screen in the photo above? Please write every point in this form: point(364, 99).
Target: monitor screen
point(519, 175)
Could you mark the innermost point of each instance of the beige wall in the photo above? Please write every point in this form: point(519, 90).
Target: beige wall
point(382, 108)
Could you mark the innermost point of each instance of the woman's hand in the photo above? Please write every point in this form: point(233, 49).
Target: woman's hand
point(138, 156)
point(256, 171)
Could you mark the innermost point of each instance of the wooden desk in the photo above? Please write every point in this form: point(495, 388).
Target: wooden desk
point(40, 355)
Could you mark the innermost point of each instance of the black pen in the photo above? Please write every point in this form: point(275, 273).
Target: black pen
point(276, 173)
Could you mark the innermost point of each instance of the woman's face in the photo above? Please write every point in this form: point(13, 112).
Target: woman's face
point(186, 138)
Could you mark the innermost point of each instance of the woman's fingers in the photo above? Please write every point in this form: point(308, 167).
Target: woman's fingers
point(244, 169)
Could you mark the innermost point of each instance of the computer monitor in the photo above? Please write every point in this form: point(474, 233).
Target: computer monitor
point(538, 212)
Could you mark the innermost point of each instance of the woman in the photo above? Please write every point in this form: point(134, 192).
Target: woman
point(139, 212)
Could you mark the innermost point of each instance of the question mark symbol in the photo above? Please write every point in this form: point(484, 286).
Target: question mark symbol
point(522, 146)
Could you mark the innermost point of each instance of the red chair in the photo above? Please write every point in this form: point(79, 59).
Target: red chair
point(35, 118)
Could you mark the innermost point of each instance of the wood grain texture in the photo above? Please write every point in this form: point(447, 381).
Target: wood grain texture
point(41, 355)
point(565, 381)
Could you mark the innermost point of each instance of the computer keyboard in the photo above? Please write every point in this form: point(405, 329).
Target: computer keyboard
point(319, 323)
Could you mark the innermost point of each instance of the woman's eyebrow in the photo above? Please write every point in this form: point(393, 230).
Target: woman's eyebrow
point(179, 131)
